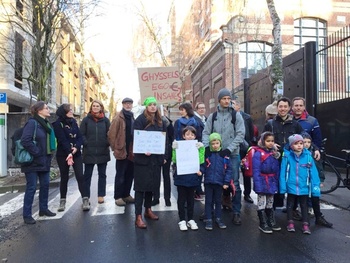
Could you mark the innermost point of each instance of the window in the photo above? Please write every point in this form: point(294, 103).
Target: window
point(253, 56)
point(19, 8)
point(309, 29)
point(18, 60)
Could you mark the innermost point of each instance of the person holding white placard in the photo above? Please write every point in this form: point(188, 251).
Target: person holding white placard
point(147, 166)
point(187, 183)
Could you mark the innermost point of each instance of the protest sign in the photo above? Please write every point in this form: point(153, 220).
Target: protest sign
point(187, 157)
point(149, 142)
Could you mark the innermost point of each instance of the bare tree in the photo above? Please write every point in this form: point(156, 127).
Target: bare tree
point(276, 73)
point(32, 39)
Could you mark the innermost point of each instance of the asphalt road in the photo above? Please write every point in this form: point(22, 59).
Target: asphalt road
point(107, 234)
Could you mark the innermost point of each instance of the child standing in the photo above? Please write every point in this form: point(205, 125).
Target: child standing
point(265, 177)
point(217, 177)
point(298, 178)
point(315, 200)
point(187, 183)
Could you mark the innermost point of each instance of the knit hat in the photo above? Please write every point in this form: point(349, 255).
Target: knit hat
point(295, 138)
point(149, 100)
point(61, 112)
point(125, 100)
point(214, 136)
point(271, 108)
point(223, 92)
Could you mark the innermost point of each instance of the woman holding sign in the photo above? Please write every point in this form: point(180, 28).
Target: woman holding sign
point(147, 166)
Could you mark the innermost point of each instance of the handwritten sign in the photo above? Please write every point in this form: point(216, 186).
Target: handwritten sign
point(187, 157)
point(149, 141)
point(163, 83)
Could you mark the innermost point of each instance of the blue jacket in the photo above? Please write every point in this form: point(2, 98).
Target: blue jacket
point(182, 122)
point(218, 169)
point(42, 160)
point(189, 180)
point(299, 174)
point(265, 174)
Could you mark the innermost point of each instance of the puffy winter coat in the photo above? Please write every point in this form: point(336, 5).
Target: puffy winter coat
point(298, 174)
point(182, 122)
point(95, 141)
point(42, 160)
point(265, 174)
point(218, 169)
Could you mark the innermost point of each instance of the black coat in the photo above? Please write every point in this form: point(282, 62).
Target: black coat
point(147, 168)
point(95, 141)
point(42, 160)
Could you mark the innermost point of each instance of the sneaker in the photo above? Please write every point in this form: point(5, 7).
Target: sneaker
point(290, 226)
point(311, 212)
point(129, 199)
point(209, 225)
point(192, 224)
point(198, 197)
point(297, 215)
point(62, 206)
point(306, 229)
point(100, 200)
point(167, 202)
point(120, 202)
point(321, 221)
point(86, 204)
point(219, 223)
point(182, 225)
point(237, 219)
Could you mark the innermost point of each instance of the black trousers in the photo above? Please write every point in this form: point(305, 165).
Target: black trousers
point(291, 199)
point(166, 182)
point(185, 195)
point(142, 198)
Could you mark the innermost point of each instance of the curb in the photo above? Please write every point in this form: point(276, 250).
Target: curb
point(22, 187)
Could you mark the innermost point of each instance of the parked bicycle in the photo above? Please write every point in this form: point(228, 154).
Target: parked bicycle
point(333, 178)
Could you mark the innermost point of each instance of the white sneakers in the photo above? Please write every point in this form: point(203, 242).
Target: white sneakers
point(182, 225)
point(190, 224)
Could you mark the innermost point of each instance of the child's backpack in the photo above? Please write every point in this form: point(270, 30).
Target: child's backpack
point(247, 161)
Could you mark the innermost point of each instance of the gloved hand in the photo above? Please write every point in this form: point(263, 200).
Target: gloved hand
point(175, 145)
point(207, 151)
point(199, 145)
point(225, 152)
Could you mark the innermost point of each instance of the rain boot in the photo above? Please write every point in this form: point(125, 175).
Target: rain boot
point(271, 221)
point(263, 226)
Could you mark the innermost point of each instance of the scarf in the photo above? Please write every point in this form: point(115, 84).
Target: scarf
point(97, 116)
point(51, 138)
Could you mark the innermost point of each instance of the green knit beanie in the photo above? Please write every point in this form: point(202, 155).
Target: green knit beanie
point(149, 100)
point(214, 136)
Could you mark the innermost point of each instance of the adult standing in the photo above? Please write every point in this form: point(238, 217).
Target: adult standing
point(147, 166)
point(282, 126)
point(94, 128)
point(69, 142)
point(249, 136)
point(120, 138)
point(166, 166)
point(38, 129)
point(232, 135)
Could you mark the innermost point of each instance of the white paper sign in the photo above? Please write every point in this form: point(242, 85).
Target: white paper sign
point(149, 141)
point(187, 157)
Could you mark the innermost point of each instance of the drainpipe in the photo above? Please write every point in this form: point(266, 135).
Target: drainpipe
point(232, 62)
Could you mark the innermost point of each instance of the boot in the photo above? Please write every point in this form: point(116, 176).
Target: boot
point(149, 214)
point(263, 226)
point(86, 204)
point(139, 222)
point(271, 219)
point(62, 206)
point(226, 202)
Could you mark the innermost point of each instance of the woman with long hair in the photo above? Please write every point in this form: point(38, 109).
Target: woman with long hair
point(147, 166)
point(69, 141)
point(39, 140)
point(94, 128)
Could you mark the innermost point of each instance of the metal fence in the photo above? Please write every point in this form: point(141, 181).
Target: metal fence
point(333, 57)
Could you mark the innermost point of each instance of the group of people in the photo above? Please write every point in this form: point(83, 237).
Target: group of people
point(223, 139)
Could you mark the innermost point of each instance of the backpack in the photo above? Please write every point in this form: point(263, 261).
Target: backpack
point(247, 161)
point(243, 145)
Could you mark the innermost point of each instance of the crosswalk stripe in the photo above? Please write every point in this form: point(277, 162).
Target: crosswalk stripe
point(12, 205)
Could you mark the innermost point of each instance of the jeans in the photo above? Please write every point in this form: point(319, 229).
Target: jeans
point(166, 182)
point(139, 197)
point(213, 193)
point(64, 171)
point(185, 196)
point(123, 178)
point(44, 180)
point(101, 168)
point(237, 199)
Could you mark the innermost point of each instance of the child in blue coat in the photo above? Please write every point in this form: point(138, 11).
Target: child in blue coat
point(187, 183)
point(217, 177)
point(265, 177)
point(298, 178)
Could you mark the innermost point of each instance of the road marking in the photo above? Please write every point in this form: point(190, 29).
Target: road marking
point(12, 205)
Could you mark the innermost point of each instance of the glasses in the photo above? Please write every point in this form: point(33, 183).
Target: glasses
point(201, 108)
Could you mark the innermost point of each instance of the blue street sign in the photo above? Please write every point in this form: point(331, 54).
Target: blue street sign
point(3, 97)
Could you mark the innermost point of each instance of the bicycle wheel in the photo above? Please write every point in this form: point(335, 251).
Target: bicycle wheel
point(332, 179)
